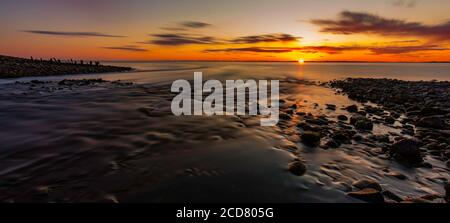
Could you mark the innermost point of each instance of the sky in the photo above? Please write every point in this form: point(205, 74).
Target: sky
point(235, 30)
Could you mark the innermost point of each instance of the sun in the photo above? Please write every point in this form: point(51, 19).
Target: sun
point(301, 61)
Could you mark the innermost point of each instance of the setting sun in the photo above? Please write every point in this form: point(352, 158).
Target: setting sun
point(301, 61)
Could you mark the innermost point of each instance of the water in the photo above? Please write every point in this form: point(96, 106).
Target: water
point(150, 72)
point(91, 144)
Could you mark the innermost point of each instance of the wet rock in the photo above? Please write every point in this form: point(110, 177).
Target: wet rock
point(389, 120)
point(297, 167)
point(380, 138)
point(361, 122)
point(397, 175)
point(331, 106)
point(373, 110)
point(357, 137)
point(436, 122)
point(407, 150)
point(310, 138)
point(426, 165)
point(366, 183)
point(342, 118)
point(368, 195)
point(352, 108)
point(309, 127)
point(285, 116)
point(331, 143)
point(321, 120)
point(342, 136)
point(390, 195)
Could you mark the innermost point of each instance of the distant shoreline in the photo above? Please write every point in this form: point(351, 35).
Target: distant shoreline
point(15, 67)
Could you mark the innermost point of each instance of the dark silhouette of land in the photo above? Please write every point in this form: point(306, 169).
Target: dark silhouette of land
point(11, 67)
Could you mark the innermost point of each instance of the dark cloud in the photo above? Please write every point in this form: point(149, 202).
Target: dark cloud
point(126, 48)
point(278, 37)
point(334, 49)
point(255, 49)
point(404, 3)
point(405, 49)
point(176, 39)
point(356, 22)
point(194, 24)
point(71, 34)
point(173, 29)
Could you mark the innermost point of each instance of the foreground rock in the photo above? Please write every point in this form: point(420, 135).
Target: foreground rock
point(362, 123)
point(407, 150)
point(297, 167)
point(363, 184)
point(310, 138)
point(368, 195)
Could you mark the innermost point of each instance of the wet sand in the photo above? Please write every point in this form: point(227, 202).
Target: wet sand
point(118, 142)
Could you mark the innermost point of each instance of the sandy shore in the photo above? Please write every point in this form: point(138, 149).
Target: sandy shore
point(101, 141)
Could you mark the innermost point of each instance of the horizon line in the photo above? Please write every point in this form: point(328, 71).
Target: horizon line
point(246, 61)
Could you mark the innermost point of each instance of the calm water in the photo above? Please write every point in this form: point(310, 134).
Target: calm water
point(165, 71)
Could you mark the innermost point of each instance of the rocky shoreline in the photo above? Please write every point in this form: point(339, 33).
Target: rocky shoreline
point(422, 108)
point(13, 67)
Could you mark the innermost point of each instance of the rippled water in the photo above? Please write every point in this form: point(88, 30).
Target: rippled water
point(110, 143)
point(163, 71)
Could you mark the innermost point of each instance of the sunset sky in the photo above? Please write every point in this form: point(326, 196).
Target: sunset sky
point(344, 30)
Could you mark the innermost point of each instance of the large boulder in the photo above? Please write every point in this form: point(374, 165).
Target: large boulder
point(368, 195)
point(407, 150)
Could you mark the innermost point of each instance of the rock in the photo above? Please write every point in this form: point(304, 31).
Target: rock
point(357, 137)
point(285, 116)
point(448, 163)
point(407, 150)
point(331, 107)
point(391, 196)
point(368, 195)
point(352, 108)
point(297, 167)
point(331, 143)
point(427, 165)
point(389, 120)
point(342, 136)
point(436, 122)
point(366, 183)
point(342, 117)
point(361, 122)
point(310, 138)
point(397, 175)
point(380, 138)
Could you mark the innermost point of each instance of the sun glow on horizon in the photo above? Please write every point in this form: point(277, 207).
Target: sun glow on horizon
point(301, 61)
